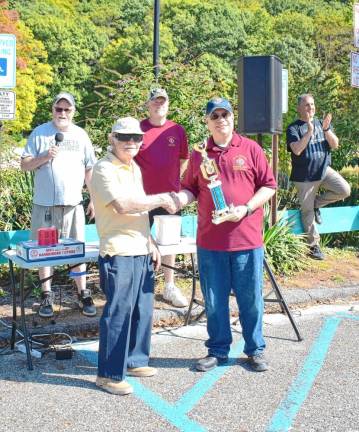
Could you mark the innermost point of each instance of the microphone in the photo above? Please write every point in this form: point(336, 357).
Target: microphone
point(59, 137)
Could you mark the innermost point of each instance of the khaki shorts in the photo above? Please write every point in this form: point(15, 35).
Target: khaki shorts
point(69, 220)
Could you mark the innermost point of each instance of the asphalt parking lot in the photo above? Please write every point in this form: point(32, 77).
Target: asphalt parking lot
point(312, 385)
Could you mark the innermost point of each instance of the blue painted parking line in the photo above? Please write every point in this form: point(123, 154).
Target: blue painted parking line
point(176, 414)
point(348, 316)
point(289, 407)
point(193, 396)
point(284, 416)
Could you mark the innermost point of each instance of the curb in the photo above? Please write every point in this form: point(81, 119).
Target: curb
point(293, 297)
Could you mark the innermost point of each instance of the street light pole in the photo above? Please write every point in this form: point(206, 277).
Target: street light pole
point(156, 38)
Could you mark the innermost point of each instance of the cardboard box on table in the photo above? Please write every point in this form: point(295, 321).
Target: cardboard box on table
point(30, 251)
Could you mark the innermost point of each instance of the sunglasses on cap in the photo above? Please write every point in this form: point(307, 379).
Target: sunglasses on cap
point(128, 137)
point(215, 116)
point(59, 110)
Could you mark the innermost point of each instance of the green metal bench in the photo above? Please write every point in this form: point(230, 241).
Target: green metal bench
point(335, 219)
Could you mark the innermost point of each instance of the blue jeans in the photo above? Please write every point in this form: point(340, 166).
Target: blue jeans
point(126, 321)
point(220, 273)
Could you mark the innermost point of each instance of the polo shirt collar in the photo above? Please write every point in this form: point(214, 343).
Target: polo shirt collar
point(116, 161)
point(235, 142)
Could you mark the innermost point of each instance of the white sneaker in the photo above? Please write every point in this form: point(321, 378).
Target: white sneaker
point(172, 294)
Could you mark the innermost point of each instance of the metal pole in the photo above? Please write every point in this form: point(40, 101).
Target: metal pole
point(156, 38)
point(275, 140)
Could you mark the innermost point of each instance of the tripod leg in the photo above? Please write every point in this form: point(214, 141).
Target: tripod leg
point(194, 272)
point(281, 300)
point(23, 320)
point(13, 291)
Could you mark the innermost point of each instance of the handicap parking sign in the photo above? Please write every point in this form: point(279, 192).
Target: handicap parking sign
point(3, 66)
point(7, 61)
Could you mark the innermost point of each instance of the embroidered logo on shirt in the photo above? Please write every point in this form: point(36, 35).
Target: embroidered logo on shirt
point(171, 141)
point(240, 163)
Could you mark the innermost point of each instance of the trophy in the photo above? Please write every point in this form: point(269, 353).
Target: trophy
point(210, 172)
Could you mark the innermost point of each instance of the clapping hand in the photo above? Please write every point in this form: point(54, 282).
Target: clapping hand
point(326, 121)
point(309, 123)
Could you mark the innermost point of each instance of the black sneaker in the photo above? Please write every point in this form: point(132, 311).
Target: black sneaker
point(257, 363)
point(317, 216)
point(316, 253)
point(46, 310)
point(210, 362)
point(86, 303)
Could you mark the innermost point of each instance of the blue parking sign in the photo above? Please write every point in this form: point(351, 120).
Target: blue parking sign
point(3, 66)
point(7, 61)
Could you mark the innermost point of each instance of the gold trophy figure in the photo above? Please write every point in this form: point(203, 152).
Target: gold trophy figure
point(210, 172)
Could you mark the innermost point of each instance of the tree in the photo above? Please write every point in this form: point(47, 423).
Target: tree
point(73, 44)
point(33, 74)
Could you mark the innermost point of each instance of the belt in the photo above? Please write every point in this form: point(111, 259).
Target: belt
point(64, 206)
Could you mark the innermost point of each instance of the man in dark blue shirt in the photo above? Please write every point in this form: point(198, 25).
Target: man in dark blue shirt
point(310, 142)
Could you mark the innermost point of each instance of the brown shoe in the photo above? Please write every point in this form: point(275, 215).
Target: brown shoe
point(115, 387)
point(144, 371)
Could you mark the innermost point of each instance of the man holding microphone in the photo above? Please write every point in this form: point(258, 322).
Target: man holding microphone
point(62, 156)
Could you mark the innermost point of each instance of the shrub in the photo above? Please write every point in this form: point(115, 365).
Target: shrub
point(16, 188)
point(285, 251)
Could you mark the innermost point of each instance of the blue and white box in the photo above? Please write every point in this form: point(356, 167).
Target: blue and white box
point(30, 251)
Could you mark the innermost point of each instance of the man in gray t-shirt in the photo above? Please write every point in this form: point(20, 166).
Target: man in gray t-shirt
point(62, 156)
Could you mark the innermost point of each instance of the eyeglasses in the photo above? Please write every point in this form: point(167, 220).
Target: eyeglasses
point(128, 137)
point(59, 110)
point(224, 115)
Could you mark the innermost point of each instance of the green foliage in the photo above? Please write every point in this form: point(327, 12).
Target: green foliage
point(347, 240)
point(135, 48)
point(16, 199)
point(189, 87)
point(32, 72)
point(285, 251)
point(73, 43)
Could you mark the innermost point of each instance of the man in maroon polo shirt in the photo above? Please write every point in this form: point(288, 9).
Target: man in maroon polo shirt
point(163, 159)
point(230, 254)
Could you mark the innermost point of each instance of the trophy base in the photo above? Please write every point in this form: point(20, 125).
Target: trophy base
point(223, 215)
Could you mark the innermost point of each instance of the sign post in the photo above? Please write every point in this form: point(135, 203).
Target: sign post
point(354, 67)
point(356, 25)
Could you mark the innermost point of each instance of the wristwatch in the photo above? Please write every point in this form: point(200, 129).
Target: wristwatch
point(249, 210)
point(326, 130)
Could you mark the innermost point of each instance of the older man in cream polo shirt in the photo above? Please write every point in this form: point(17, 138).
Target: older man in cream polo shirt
point(127, 254)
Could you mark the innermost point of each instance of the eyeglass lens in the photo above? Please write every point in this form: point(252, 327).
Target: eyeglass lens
point(66, 110)
point(128, 137)
point(215, 116)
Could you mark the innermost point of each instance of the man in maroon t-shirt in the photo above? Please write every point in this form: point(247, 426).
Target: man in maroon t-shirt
point(230, 254)
point(163, 159)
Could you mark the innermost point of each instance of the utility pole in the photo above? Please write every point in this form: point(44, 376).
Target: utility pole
point(156, 38)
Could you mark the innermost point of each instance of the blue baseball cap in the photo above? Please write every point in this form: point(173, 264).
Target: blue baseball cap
point(218, 102)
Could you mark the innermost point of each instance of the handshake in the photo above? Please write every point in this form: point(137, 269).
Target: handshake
point(171, 202)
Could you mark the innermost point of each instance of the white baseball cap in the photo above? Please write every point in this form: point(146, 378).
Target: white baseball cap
point(64, 95)
point(127, 125)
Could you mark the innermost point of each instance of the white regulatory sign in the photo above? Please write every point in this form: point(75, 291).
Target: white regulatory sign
point(7, 105)
point(356, 25)
point(7, 61)
point(354, 67)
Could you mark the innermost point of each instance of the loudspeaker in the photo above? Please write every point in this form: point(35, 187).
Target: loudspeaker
point(260, 94)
